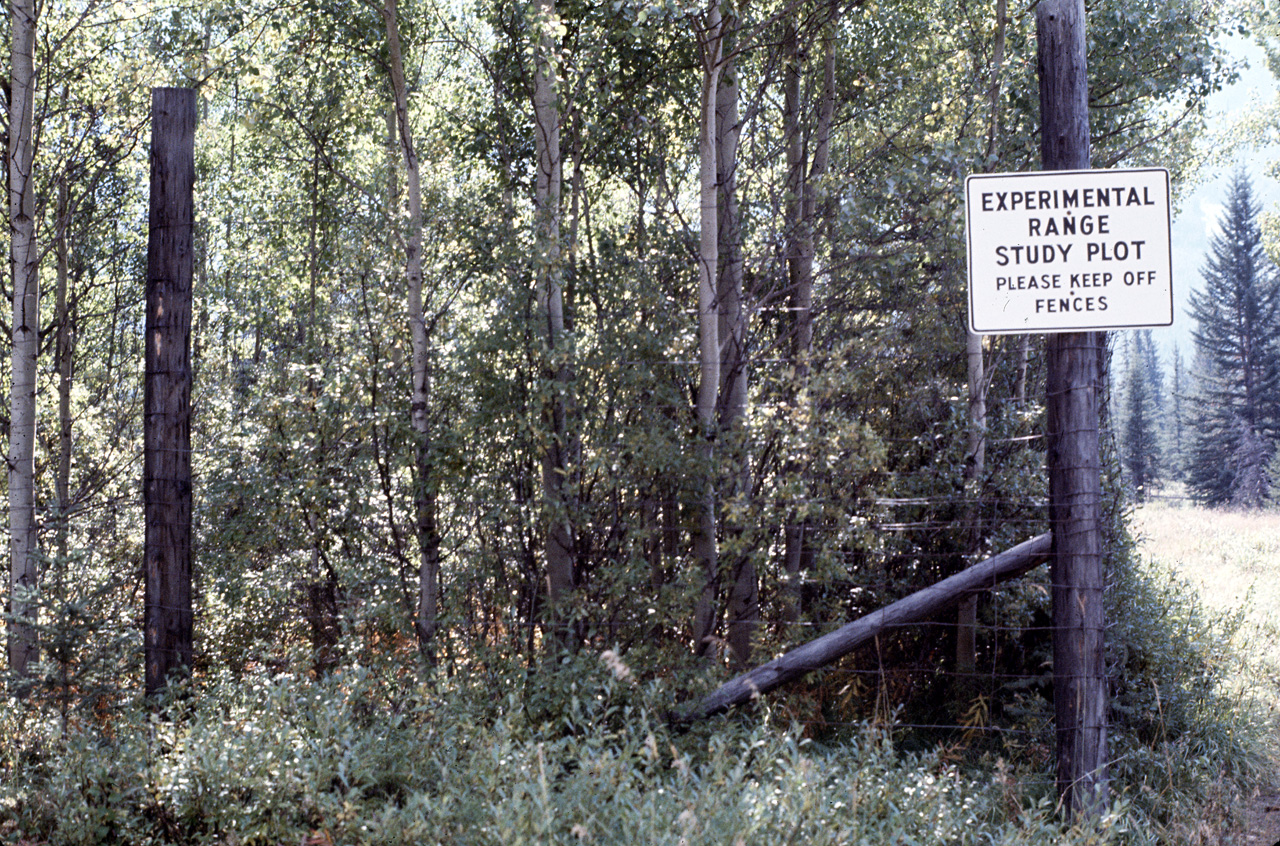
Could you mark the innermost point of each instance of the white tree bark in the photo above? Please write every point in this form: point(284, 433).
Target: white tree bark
point(23, 261)
point(743, 608)
point(549, 272)
point(704, 545)
point(424, 499)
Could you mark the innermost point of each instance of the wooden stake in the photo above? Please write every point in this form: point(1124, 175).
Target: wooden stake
point(1075, 489)
point(168, 619)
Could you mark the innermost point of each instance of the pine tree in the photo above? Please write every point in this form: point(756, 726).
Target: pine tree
point(1152, 370)
point(1176, 420)
point(1140, 449)
point(1237, 359)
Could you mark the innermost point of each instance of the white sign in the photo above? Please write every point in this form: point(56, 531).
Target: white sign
point(1069, 251)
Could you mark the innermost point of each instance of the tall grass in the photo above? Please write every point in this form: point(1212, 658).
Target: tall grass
point(1232, 561)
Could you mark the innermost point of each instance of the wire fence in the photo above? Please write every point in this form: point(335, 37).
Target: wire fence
point(307, 509)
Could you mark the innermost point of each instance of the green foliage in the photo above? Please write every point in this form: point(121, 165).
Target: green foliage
point(1140, 447)
point(1186, 737)
point(309, 716)
point(1238, 360)
point(89, 649)
point(305, 506)
point(368, 757)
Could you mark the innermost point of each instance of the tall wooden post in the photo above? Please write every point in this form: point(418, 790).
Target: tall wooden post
point(167, 396)
point(1075, 490)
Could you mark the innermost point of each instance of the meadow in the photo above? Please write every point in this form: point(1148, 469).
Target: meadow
point(1232, 560)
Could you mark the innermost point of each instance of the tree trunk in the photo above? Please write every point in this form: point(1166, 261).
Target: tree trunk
point(704, 541)
point(425, 506)
point(801, 208)
point(167, 421)
point(997, 68)
point(732, 320)
point(548, 271)
point(799, 237)
point(743, 609)
point(1074, 370)
point(976, 437)
point(23, 261)
point(799, 281)
point(63, 350)
point(1022, 357)
point(975, 462)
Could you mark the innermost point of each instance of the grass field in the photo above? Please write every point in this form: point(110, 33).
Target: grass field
point(1232, 558)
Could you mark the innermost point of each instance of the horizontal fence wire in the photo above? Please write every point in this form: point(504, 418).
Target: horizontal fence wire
point(881, 677)
point(902, 529)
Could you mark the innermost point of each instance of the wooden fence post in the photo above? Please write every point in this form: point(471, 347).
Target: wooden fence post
point(1075, 489)
point(167, 617)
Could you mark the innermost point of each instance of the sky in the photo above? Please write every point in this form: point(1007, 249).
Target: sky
point(1197, 213)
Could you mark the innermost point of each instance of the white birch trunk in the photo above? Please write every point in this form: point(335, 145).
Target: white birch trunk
point(424, 500)
point(704, 543)
point(24, 257)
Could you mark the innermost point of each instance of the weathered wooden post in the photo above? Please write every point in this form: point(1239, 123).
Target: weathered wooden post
point(1075, 490)
point(167, 617)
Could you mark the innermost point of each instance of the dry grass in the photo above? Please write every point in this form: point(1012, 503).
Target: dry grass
point(1232, 558)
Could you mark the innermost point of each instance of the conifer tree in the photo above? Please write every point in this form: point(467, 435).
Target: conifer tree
point(1176, 420)
point(1140, 445)
point(1237, 360)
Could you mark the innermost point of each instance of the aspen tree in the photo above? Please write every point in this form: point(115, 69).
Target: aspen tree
point(704, 541)
point(23, 264)
point(548, 272)
point(804, 173)
point(743, 609)
point(425, 505)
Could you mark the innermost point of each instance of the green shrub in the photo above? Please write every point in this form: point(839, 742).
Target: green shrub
point(1188, 740)
point(281, 760)
point(579, 751)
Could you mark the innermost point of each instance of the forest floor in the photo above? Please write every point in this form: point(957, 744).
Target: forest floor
point(1232, 558)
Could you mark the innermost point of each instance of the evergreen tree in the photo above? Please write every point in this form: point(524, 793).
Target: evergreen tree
point(1238, 362)
point(1175, 421)
point(1152, 369)
point(1140, 449)
point(1212, 441)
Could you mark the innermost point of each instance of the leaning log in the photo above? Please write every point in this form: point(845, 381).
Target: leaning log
point(917, 607)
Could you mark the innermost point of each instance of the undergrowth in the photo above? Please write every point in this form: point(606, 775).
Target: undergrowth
point(581, 751)
point(287, 760)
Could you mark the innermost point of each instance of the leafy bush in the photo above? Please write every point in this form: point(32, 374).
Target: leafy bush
point(1188, 739)
point(579, 750)
point(352, 760)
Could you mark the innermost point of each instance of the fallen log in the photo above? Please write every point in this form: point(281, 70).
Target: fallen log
point(916, 607)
